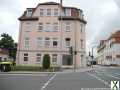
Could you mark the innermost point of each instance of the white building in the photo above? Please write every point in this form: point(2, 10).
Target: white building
point(51, 29)
point(109, 50)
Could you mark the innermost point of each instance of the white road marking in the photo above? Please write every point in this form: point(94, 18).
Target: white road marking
point(103, 81)
point(112, 76)
point(117, 74)
point(109, 75)
point(46, 84)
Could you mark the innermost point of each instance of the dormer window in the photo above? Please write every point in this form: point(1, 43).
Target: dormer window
point(29, 12)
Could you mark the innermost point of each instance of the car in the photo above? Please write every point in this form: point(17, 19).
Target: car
point(5, 66)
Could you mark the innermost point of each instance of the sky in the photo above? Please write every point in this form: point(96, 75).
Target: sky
point(102, 16)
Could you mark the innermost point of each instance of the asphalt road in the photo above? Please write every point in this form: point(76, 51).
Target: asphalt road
point(99, 78)
point(23, 81)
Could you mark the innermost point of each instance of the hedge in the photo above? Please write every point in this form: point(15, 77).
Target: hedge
point(34, 68)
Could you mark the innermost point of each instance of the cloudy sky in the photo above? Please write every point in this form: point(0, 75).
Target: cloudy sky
point(103, 16)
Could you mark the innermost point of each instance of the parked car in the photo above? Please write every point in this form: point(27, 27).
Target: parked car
point(5, 66)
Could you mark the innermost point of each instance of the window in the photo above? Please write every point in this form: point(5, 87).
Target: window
point(48, 27)
point(55, 42)
point(25, 56)
point(56, 12)
point(67, 42)
point(81, 43)
point(67, 26)
point(117, 56)
point(55, 27)
point(54, 58)
point(38, 59)
point(28, 26)
point(48, 12)
point(47, 42)
point(40, 27)
point(41, 12)
point(81, 28)
point(26, 42)
point(29, 12)
point(39, 42)
point(67, 12)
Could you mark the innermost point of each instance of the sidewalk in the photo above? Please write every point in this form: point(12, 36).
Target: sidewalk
point(82, 69)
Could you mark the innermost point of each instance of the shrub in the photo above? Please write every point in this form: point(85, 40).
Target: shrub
point(26, 68)
point(34, 68)
point(46, 61)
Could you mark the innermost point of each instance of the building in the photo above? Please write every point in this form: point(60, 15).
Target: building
point(109, 50)
point(51, 28)
point(4, 55)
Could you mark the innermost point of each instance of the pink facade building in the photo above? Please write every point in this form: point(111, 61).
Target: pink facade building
point(51, 28)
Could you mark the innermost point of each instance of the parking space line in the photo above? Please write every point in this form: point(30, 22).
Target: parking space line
point(103, 81)
point(46, 84)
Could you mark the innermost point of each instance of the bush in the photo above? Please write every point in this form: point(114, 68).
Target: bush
point(34, 68)
point(46, 61)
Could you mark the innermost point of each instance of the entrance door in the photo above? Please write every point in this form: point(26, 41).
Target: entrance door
point(67, 60)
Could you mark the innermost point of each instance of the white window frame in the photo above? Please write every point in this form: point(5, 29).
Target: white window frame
point(26, 56)
point(67, 12)
point(48, 27)
point(27, 42)
point(29, 12)
point(49, 12)
point(55, 27)
point(40, 27)
point(54, 58)
point(38, 57)
point(67, 25)
point(56, 12)
point(47, 42)
point(39, 42)
point(67, 43)
point(42, 11)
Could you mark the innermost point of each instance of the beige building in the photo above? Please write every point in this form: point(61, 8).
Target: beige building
point(51, 28)
point(109, 50)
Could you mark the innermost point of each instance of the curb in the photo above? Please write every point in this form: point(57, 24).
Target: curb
point(77, 71)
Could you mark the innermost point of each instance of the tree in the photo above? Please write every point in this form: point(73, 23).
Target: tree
point(7, 43)
point(46, 61)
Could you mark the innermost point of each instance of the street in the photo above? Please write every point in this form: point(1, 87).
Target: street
point(96, 78)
